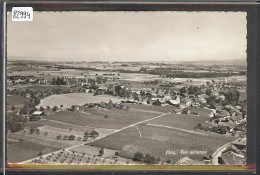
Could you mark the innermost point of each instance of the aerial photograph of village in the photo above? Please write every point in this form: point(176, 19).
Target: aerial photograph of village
point(161, 91)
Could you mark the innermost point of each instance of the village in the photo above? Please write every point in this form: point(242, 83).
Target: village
point(216, 106)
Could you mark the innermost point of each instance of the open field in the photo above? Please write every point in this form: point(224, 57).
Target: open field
point(116, 118)
point(48, 139)
point(57, 124)
point(37, 87)
point(24, 68)
point(157, 140)
point(163, 109)
point(17, 152)
point(67, 100)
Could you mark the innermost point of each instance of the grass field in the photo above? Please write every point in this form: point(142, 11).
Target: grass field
point(49, 139)
point(200, 111)
point(156, 141)
point(25, 150)
point(163, 109)
point(51, 123)
point(67, 100)
point(19, 68)
point(116, 118)
point(38, 87)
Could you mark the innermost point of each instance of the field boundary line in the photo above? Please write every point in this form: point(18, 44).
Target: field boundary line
point(66, 123)
point(150, 111)
point(179, 129)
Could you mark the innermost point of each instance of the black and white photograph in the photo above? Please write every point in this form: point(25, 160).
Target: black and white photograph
point(127, 88)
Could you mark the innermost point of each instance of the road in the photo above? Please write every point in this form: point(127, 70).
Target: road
point(98, 138)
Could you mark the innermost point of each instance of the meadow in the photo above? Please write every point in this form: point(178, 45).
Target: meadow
point(157, 140)
point(67, 100)
point(115, 119)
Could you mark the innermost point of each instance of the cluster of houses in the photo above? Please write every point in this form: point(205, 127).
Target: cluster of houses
point(234, 153)
point(17, 79)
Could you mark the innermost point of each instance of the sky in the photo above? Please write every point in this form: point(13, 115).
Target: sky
point(128, 36)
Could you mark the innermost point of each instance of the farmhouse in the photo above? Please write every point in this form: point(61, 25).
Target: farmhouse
point(38, 113)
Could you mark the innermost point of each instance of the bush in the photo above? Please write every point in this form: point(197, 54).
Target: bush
point(149, 159)
point(138, 156)
point(15, 127)
point(55, 108)
point(168, 161)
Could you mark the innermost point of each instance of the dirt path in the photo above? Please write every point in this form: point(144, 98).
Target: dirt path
point(80, 126)
point(179, 129)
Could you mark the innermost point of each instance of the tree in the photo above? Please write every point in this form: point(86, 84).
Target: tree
point(13, 108)
point(231, 96)
point(71, 137)
point(168, 161)
point(55, 108)
point(183, 90)
point(222, 130)
point(41, 108)
point(37, 131)
point(101, 152)
point(37, 101)
point(58, 137)
point(73, 108)
point(24, 110)
point(86, 134)
point(194, 90)
point(58, 81)
point(138, 156)
point(110, 104)
point(157, 103)
point(94, 134)
point(15, 127)
point(149, 159)
point(211, 101)
point(31, 130)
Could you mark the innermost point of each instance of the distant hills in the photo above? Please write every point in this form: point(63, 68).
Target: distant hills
point(70, 60)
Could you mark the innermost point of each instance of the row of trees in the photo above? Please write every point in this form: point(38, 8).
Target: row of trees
point(59, 81)
point(149, 159)
point(216, 129)
point(169, 73)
